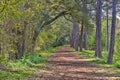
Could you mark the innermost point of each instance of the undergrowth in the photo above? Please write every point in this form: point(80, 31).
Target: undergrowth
point(18, 69)
point(90, 54)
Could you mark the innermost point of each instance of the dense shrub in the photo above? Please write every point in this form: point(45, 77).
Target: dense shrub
point(59, 42)
point(117, 45)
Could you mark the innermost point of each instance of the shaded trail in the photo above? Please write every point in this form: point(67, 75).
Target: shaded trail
point(66, 65)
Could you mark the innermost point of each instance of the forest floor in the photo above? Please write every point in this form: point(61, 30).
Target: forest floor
point(65, 64)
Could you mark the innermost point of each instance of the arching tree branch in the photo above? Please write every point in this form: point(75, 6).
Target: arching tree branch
point(38, 28)
point(53, 19)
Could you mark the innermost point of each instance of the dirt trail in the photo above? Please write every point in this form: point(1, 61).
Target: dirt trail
point(66, 65)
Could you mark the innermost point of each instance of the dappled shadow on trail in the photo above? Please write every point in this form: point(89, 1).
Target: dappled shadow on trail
point(67, 65)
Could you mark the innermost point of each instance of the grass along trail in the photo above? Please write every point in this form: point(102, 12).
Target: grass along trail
point(65, 64)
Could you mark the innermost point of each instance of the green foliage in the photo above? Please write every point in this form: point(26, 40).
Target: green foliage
point(91, 41)
point(104, 35)
point(117, 64)
point(92, 38)
point(4, 75)
point(26, 66)
point(3, 59)
point(52, 35)
point(90, 27)
point(59, 42)
point(20, 18)
point(45, 40)
point(117, 45)
point(32, 60)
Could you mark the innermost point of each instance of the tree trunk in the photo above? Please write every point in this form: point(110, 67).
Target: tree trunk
point(98, 29)
point(73, 38)
point(112, 39)
point(21, 43)
point(81, 35)
point(76, 44)
point(77, 37)
point(34, 41)
point(85, 40)
point(107, 26)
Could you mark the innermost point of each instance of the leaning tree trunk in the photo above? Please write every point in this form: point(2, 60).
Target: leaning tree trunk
point(34, 39)
point(81, 35)
point(112, 39)
point(98, 29)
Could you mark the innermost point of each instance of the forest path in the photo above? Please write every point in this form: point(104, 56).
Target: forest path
point(65, 64)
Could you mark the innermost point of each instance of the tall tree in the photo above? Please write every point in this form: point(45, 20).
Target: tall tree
point(81, 34)
point(85, 39)
point(98, 29)
point(107, 26)
point(112, 39)
point(21, 47)
point(76, 37)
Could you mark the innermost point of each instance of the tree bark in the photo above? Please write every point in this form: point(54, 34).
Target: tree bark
point(112, 39)
point(72, 36)
point(98, 29)
point(74, 33)
point(34, 39)
point(81, 35)
point(21, 43)
point(76, 42)
point(76, 37)
point(85, 40)
point(107, 26)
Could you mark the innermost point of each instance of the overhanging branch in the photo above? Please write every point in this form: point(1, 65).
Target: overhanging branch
point(53, 19)
point(38, 28)
point(68, 19)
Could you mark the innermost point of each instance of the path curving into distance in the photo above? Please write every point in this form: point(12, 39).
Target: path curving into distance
point(65, 64)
